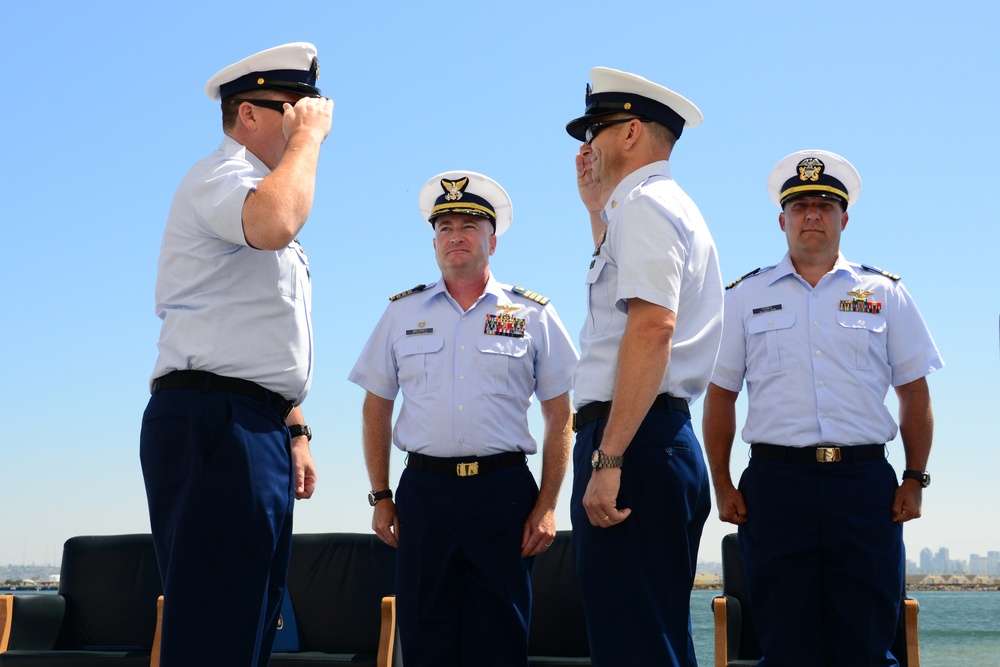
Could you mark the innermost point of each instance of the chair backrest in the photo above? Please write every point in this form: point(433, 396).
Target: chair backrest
point(734, 584)
point(110, 584)
point(336, 582)
point(558, 626)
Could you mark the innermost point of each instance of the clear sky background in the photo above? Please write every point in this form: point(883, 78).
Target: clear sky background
point(104, 111)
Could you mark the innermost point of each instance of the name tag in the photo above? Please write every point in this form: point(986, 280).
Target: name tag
point(767, 309)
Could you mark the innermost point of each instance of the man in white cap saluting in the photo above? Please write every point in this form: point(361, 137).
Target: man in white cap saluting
point(467, 352)
point(819, 341)
point(640, 487)
point(224, 447)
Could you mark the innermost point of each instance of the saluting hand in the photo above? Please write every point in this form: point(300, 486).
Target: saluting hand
point(593, 194)
point(314, 114)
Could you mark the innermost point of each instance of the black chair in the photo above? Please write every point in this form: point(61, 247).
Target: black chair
point(105, 612)
point(736, 642)
point(336, 585)
point(558, 633)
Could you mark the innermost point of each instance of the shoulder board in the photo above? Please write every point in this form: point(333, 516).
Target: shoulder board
point(527, 294)
point(418, 288)
point(746, 275)
point(874, 269)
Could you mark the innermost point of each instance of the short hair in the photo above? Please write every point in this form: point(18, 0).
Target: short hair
point(663, 138)
point(231, 105)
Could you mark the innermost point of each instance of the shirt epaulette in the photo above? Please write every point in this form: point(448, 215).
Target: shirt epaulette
point(418, 288)
point(527, 294)
point(874, 269)
point(747, 275)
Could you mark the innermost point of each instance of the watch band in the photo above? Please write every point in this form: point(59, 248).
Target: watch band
point(375, 496)
point(921, 476)
point(300, 429)
point(601, 460)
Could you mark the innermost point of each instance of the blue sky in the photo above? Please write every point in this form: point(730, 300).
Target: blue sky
point(105, 111)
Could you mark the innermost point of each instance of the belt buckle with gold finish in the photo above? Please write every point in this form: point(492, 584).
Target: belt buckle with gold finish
point(828, 454)
point(469, 469)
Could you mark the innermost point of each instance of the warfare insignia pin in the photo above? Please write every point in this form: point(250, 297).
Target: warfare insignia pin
point(455, 189)
point(508, 309)
point(859, 302)
point(810, 169)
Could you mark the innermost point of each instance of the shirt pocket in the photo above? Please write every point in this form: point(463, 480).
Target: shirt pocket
point(862, 343)
point(600, 301)
point(421, 363)
point(770, 337)
point(293, 274)
point(502, 363)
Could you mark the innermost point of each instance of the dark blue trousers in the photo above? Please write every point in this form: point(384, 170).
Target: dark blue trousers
point(463, 592)
point(824, 561)
point(217, 469)
point(636, 577)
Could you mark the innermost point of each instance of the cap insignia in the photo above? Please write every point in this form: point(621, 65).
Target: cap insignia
point(315, 67)
point(454, 190)
point(810, 169)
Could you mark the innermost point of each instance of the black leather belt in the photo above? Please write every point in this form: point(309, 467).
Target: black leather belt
point(465, 466)
point(211, 381)
point(820, 454)
point(600, 409)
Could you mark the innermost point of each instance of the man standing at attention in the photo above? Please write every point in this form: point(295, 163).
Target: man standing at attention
point(819, 341)
point(468, 353)
point(224, 448)
point(654, 320)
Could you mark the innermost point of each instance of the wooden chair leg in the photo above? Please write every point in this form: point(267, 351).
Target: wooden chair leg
point(6, 619)
point(387, 634)
point(910, 610)
point(721, 632)
point(154, 653)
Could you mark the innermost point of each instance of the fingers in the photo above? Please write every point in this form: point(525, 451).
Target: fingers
point(385, 522)
point(312, 113)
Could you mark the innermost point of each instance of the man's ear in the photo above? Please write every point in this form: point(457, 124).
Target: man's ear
point(781, 220)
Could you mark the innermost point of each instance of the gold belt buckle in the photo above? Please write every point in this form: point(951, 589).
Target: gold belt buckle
point(467, 469)
point(828, 454)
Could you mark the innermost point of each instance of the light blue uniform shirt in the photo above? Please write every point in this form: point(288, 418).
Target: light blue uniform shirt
point(816, 373)
point(657, 248)
point(226, 307)
point(466, 392)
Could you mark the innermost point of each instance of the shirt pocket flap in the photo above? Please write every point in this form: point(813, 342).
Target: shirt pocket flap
point(771, 321)
point(596, 267)
point(869, 321)
point(421, 344)
point(512, 347)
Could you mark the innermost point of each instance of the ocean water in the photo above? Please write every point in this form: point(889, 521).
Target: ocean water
point(957, 628)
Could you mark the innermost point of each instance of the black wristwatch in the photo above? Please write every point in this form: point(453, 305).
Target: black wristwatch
point(375, 496)
point(600, 460)
point(300, 429)
point(921, 476)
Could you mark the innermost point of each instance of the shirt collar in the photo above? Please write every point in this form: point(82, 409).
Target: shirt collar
point(232, 148)
point(629, 183)
point(786, 268)
point(493, 287)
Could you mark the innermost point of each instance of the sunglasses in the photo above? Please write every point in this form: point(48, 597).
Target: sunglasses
point(268, 104)
point(594, 128)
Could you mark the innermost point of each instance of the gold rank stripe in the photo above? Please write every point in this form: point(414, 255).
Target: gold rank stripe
point(813, 188)
point(534, 296)
point(465, 206)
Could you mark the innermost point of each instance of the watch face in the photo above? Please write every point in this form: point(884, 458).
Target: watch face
point(595, 459)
